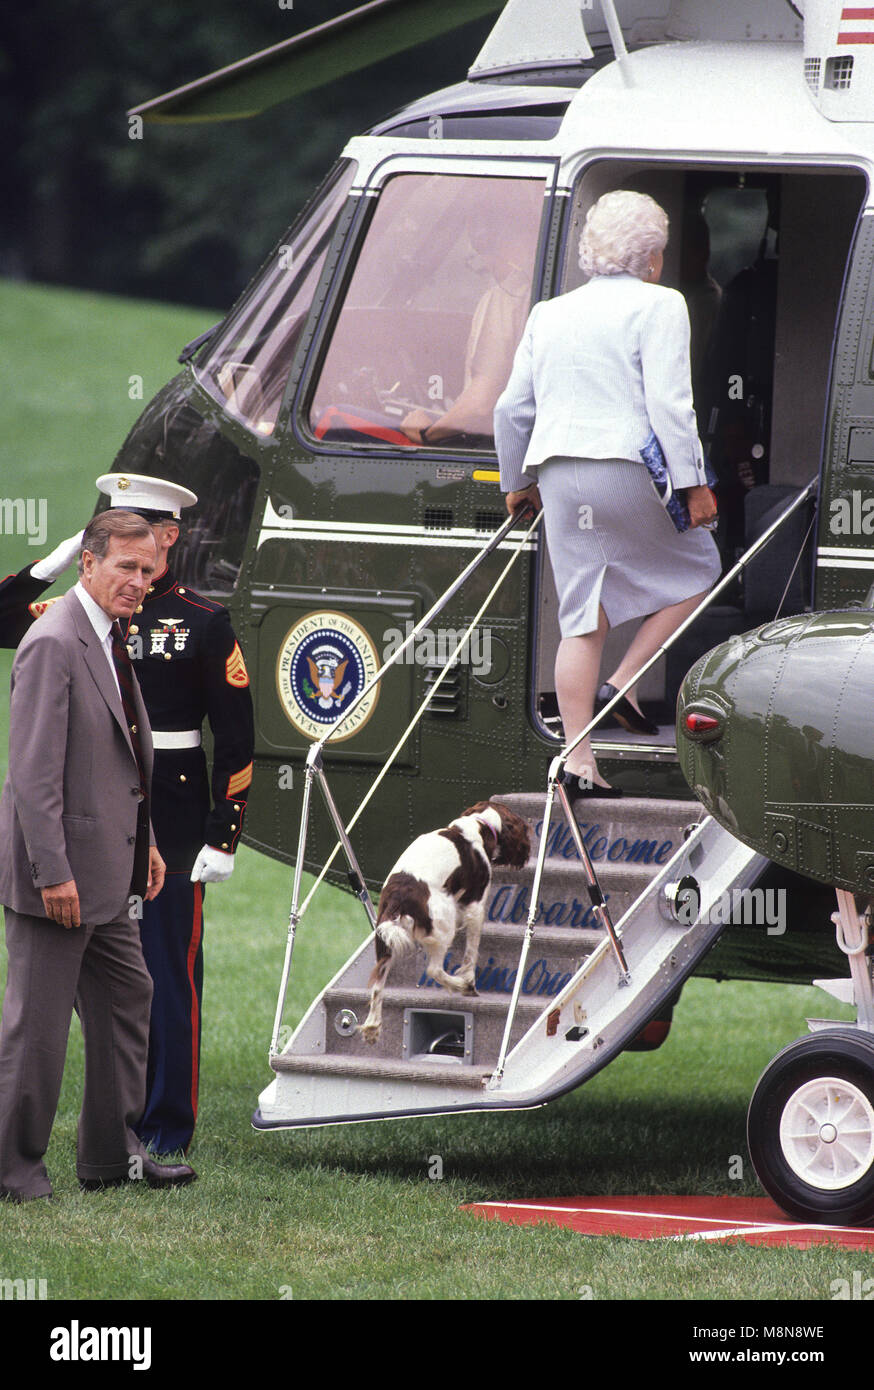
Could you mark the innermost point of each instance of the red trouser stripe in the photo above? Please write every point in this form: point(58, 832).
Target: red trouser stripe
point(193, 946)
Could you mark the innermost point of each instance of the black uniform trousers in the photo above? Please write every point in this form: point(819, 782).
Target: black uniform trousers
point(171, 932)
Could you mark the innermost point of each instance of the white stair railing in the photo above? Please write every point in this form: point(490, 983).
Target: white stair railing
point(557, 775)
point(315, 770)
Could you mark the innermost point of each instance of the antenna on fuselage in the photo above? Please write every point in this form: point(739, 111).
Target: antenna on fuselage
point(614, 28)
point(529, 34)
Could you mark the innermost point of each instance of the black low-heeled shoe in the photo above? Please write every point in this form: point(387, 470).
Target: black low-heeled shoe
point(624, 712)
point(579, 790)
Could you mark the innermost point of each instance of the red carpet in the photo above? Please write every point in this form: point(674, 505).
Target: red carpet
point(753, 1219)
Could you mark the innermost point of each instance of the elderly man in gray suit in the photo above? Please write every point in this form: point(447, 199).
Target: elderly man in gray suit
point(76, 855)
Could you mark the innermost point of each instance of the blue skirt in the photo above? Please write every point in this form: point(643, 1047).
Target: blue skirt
point(611, 544)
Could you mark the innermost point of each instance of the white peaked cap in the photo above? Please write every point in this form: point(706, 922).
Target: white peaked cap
point(137, 492)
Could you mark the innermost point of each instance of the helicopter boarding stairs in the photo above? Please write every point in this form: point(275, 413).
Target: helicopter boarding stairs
point(576, 1007)
point(557, 999)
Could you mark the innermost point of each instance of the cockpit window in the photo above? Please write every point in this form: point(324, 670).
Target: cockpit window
point(246, 365)
point(433, 313)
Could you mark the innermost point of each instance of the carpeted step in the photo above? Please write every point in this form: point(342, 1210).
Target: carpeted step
point(412, 1019)
point(447, 1071)
point(558, 949)
point(629, 839)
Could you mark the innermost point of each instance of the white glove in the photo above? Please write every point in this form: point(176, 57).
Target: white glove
point(212, 866)
point(62, 556)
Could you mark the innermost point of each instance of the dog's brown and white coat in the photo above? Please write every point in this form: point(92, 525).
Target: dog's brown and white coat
point(439, 885)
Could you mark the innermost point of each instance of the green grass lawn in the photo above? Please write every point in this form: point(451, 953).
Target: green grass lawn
point(78, 370)
point(350, 1213)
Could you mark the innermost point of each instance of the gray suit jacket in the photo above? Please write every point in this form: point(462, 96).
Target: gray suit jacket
point(596, 372)
point(70, 803)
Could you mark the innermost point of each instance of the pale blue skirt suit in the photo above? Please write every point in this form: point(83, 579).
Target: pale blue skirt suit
point(597, 371)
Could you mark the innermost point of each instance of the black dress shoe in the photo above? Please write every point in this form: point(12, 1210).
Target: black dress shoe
point(579, 790)
point(167, 1174)
point(153, 1174)
point(624, 712)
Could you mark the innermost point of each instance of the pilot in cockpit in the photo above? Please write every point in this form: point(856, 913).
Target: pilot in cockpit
point(495, 330)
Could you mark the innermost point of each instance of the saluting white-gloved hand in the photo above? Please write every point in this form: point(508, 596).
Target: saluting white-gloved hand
point(212, 866)
point(62, 556)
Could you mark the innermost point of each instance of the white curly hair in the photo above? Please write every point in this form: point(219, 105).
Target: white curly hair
point(622, 233)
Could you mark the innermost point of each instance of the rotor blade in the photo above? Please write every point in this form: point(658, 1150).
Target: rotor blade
point(339, 46)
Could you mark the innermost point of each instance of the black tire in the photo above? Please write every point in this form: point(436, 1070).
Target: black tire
point(812, 1173)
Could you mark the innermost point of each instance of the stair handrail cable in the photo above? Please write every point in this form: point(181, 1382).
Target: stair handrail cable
point(314, 767)
point(557, 773)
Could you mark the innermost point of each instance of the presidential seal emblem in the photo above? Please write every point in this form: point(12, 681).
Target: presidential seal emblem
point(324, 663)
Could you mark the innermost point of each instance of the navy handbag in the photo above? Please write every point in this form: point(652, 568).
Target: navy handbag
point(676, 508)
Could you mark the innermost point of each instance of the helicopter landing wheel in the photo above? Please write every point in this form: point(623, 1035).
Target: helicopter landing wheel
point(810, 1128)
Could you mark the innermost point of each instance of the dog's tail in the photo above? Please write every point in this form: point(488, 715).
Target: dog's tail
point(395, 935)
point(391, 940)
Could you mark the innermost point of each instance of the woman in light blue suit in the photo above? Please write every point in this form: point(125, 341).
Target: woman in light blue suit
point(598, 371)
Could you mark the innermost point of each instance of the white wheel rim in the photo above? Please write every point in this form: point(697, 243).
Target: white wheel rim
point(827, 1133)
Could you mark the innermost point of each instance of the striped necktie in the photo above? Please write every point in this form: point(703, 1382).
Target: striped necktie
point(125, 672)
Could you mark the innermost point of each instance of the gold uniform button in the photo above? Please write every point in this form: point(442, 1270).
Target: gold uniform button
point(139, 610)
point(133, 629)
point(151, 589)
point(181, 591)
point(236, 808)
point(233, 827)
point(224, 846)
point(168, 656)
point(133, 728)
point(182, 777)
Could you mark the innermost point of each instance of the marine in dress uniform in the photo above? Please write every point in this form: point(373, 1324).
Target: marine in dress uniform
point(20, 601)
point(190, 668)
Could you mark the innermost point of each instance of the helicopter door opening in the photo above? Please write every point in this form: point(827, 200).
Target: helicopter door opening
point(760, 256)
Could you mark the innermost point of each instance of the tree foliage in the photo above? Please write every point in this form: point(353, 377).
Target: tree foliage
point(185, 213)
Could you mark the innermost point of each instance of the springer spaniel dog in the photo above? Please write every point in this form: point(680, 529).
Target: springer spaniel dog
point(438, 885)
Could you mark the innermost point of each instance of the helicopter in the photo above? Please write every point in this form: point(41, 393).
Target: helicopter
point(336, 425)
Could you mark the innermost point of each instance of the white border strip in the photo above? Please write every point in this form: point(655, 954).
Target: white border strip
point(843, 551)
point(443, 540)
point(276, 527)
point(834, 564)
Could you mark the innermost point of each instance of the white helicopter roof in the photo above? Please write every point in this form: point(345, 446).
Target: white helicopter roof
point(566, 30)
point(740, 100)
point(701, 80)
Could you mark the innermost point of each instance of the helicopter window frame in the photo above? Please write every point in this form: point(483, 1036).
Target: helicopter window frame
point(542, 169)
point(249, 375)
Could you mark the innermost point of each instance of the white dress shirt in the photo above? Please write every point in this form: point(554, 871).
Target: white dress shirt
point(597, 371)
point(102, 625)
